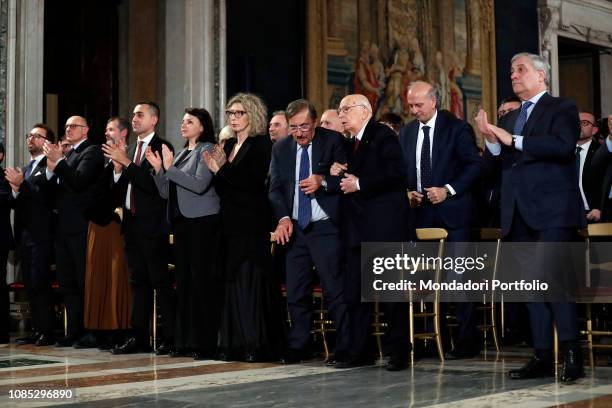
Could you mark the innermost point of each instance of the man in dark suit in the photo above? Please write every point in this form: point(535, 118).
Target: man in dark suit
point(145, 230)
point(374, 210)
point(305, 199)
point(6, 244)
point(540, 199)
point(589, 181)
point(443, 166)
point(602, 165)
point(76, 175)
point(35, 229)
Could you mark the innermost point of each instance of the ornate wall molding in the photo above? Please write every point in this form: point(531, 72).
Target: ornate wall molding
point(582, 20)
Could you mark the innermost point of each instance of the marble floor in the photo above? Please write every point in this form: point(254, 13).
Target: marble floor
point(99, 379)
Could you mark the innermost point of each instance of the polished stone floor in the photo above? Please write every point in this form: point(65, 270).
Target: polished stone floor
point(100, 379)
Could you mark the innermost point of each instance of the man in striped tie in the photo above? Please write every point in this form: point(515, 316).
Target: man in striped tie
point(540, 200)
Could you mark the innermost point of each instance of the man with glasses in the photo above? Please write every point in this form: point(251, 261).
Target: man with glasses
point(305, 199)
point(508, 105)
point(146, 231)
point(76, 175)
point(34, 197)
point(602, 164)
point(589, 181)
point(373, 184)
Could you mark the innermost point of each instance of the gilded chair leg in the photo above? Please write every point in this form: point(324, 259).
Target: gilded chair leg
point(411, 323)
point(494, 327)
point(322, 319)
point(437, 330)
point(590, 335)
point(65, 321)
point(154, 322)
point(556, 345)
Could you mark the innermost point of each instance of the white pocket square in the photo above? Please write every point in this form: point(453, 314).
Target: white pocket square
point(38, 173)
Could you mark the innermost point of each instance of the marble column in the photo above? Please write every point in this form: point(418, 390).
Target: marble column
point(23, 91)
point(194, 61)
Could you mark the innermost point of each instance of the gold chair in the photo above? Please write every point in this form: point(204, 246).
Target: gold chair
point(489, 307)
point(601, 230)
point(440, 235)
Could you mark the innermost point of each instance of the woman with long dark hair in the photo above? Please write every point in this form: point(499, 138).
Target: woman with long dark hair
point(193, 211)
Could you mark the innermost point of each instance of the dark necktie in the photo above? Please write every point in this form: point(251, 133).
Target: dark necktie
point(522, 118)
point(304, 207)
point(136, 162)
point(28, 169)
point(356, 146)
point(578, 150)
point(426, 176)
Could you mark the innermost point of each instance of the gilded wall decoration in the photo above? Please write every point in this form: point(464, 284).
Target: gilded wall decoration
point(377, 47)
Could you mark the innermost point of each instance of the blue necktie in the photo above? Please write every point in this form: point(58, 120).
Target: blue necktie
point(426, 176)
point(304, 207)
point(29, 168)
point(522, 118)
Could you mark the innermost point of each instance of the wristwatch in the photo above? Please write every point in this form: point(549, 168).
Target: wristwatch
point(513, 144)
point(324, 183)
point(448, 192)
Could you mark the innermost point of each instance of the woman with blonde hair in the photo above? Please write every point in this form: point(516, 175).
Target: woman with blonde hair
point(248, 324)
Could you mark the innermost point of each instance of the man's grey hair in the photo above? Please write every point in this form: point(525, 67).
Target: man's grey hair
point(539, 63)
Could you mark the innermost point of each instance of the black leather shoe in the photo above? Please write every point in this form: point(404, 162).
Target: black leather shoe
point(67, 341)
point(396, 364)
point(86, 341)
point(294, 356)
point(163, 349)
point(28, 339)
point(201, 355)
point(459, 353)
point(45, 340)
point(178, 352)
point(572, 368)
point(131, 346)
point(255, 357)
point(536, 367)
point(353, 362)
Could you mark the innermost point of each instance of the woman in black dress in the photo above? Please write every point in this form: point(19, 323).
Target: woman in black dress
point(250, 329)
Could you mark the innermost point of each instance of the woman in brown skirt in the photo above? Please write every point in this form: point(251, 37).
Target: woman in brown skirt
point(107, 290)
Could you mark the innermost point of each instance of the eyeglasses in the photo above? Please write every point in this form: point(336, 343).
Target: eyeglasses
point(304, 127)
point(586, 123)
point(346, 109)
point(503, 112)
point(73, 126)
point(35, 136)
point(236, 114)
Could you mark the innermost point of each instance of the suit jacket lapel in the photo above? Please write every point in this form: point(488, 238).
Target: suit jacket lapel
point(366, 138)
point(291, 169)
point(243, 149)
point(438, 140)
point(536, 113)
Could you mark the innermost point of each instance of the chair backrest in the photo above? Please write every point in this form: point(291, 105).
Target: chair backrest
point(600, 229)
point(431, 234)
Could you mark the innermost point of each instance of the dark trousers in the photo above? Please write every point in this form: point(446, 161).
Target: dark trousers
point(543, 314)
point(147, 258)
point(427, 217)
point(70, 256)
point(36, 258)
point(359, 313)
point(5, 322)
point(319, 244)
point(198, 286)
